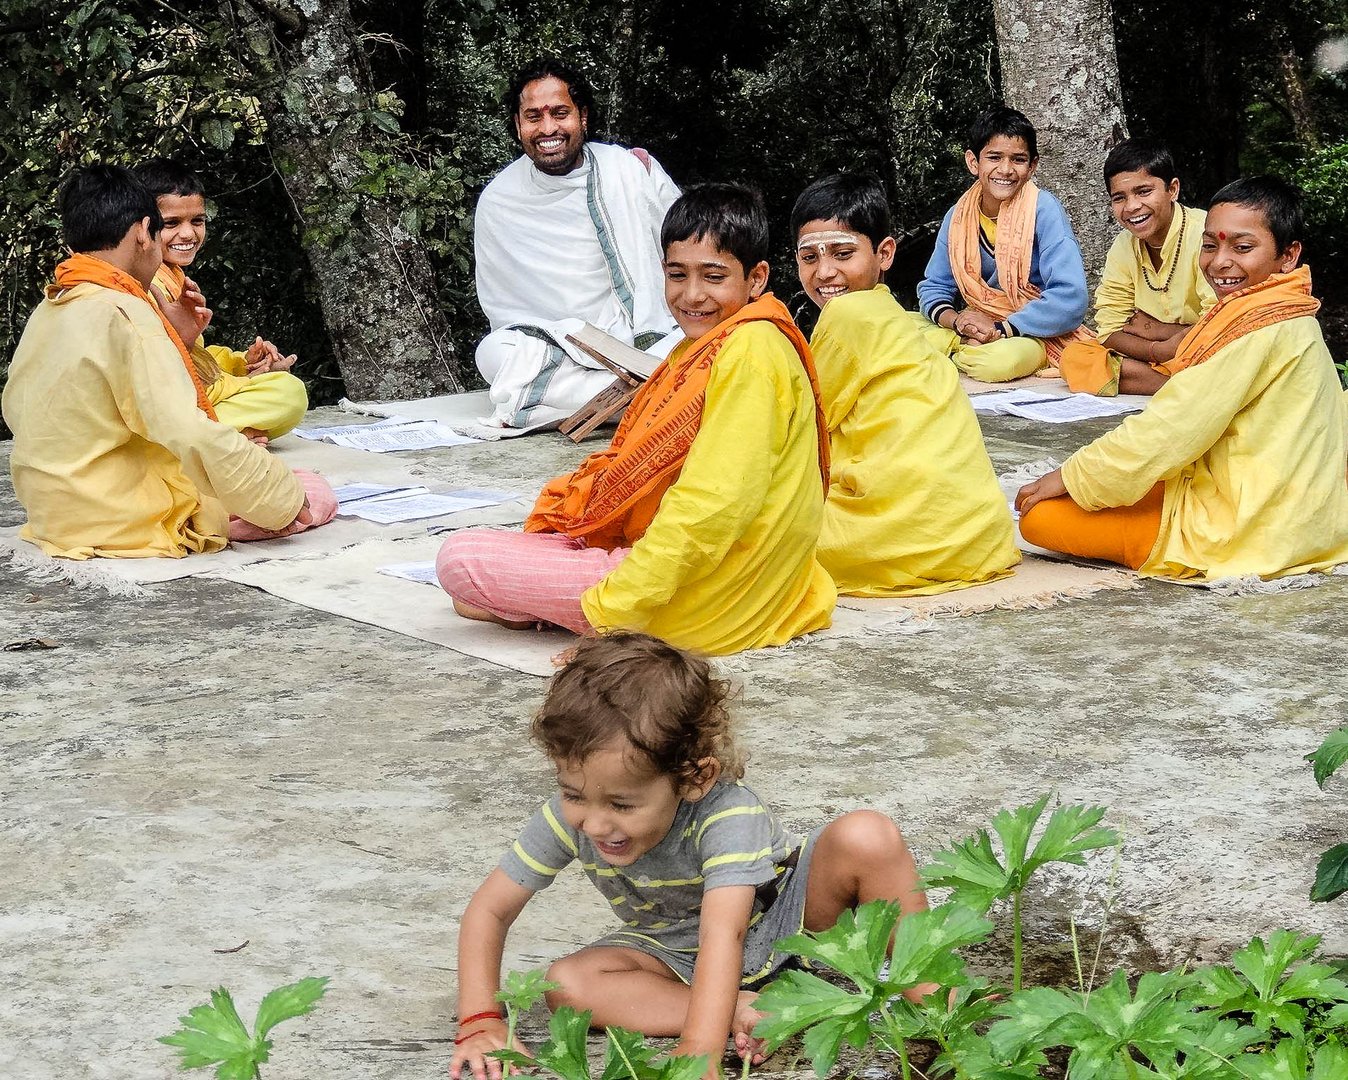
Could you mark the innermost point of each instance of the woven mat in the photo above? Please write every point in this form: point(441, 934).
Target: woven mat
point(1037, 583)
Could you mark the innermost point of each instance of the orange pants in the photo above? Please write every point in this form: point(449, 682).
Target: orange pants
point(1119, 534)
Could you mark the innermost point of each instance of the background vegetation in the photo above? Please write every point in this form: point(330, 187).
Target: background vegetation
point(771, 91)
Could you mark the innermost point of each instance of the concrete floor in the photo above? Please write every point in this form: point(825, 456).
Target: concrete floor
point(209, 765)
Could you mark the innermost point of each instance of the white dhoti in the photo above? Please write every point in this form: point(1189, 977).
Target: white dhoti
point(555, 252)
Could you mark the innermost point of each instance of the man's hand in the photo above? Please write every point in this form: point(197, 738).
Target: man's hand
point(976, 327)
point(188, 315)
point(1049, 486)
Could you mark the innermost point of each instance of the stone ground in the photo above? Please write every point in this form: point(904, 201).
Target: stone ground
point(209, 765)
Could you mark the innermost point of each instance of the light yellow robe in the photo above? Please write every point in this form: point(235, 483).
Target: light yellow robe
point(274, 402)
point(913, 507)
point(729, 562)
point(1252, 448)
point(1124, 289)
point(111, 455)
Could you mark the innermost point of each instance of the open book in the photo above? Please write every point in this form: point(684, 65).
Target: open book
point(619, 357)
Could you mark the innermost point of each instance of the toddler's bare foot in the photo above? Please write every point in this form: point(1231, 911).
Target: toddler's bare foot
point(742, 1027)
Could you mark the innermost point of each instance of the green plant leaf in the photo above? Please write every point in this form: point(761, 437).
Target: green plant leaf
point(971, 870)
point(1332, 753)
point(1071, 832)
point(1331, 875)
point(854, 946)
point(925, 944)
point(797, 999)
point(823, 1042)
point(212, 1033)
point(219, 133)
point(1264, 964)
point(287, 1003)
point(1286, 1061)
point(681, 1067)
point(564, 1051)
point(525, 989)
point(627, 1055)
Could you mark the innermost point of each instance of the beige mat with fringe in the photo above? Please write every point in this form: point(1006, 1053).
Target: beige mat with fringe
point(337, 464)
point(1037, 583)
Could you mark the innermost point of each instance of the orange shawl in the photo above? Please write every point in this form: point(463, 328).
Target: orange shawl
point(80, 269)
point(1014, 255)
point(613, 496)
point(1277, 297)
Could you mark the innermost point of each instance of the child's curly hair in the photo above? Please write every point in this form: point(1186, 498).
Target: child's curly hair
point(662, 700)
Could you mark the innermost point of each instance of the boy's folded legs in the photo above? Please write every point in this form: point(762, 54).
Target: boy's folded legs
point(1000, 361)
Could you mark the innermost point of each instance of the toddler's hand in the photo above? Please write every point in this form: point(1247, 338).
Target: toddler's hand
point(484, 1037)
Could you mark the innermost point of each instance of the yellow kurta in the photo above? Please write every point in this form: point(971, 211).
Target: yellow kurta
point(1124, 281)
point(111, 455)
point(729, 562)
point(273, 402)
point(1252, 448)
point(913, 506)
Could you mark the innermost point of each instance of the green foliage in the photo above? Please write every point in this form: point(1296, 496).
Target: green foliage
point(1290, 1060)
point(1331, 874)
point(626, 1055)
point(214, 1035)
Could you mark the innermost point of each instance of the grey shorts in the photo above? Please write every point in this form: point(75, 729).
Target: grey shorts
point(784, 917)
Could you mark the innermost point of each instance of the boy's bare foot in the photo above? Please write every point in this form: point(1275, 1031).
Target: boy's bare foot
point(742, 1027)
point(468, 611)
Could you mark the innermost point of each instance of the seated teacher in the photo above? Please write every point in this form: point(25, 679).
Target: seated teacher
point(566, 234)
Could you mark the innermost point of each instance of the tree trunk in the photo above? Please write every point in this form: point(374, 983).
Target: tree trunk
point(1060, 68)
point(337, 154)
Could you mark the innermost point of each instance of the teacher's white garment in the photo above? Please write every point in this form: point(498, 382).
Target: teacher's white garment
point(554, 252)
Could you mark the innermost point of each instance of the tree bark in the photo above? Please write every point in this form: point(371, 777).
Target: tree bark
point(1060, 68)
point(375, 283)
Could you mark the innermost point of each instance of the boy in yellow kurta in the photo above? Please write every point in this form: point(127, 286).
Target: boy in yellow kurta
point(913, 505)
point(1151, 291)
point(116, 452)
point(252, 391)
point(1237, 465)
point(699, 522)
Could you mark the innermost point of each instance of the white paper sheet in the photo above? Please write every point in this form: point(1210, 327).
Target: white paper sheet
point(999, 402)
point(1071, 409)
point(413, 508)
point(327, 434)
point(348, 494)
point(417, 435)
point(423, 572)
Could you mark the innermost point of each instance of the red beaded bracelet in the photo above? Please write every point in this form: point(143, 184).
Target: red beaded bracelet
point(489, 1015)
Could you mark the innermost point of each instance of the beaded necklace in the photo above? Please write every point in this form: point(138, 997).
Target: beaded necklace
point(1146, 276)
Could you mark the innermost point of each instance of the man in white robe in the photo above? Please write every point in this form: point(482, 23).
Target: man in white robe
point(567, 234)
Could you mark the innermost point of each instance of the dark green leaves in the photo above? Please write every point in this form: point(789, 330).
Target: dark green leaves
point(214, 1035)
point(1331, 875)
point(1333, 752)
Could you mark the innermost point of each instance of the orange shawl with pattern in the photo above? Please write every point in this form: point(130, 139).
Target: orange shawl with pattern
point(80, 269)
point(1277, 297)
point(1014, 255)
point(612, 498)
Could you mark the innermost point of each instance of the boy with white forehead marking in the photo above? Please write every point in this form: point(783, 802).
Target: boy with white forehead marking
point(913, 504)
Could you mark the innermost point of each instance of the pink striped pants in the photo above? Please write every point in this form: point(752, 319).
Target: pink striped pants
point(523, 577)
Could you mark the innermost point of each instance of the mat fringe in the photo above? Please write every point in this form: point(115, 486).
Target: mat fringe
point(37, 566)
point(1116, 580)
point(1031, 470)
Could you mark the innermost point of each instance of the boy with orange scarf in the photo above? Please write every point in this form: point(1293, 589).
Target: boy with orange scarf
point(1005, 286)
point(117, 451)
point(699, 523)
point(1236, 467)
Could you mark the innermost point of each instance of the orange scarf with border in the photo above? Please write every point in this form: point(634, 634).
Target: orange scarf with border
point(1014, 256)
point(612, 498)
point(172, 280)
point(1277, 297)
point(82, 269)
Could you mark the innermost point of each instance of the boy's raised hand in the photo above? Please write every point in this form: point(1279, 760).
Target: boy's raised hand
point(488, 1035)
point(188, 315)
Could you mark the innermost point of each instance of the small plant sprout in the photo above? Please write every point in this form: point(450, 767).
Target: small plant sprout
point(924, 953)
point(214, 1035)
point(978, 878)
point(563, 1053)
point(1331, 876)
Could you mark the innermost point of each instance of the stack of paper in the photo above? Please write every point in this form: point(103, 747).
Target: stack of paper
point(350, 494)
point(418, 503)
point(1052, 408)
point(388, 435)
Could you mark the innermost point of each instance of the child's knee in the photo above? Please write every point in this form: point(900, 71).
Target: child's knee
point(1001, 361)
point(569, 975)
point(864, 835)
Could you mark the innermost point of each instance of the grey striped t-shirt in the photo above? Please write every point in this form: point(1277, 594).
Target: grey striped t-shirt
point(726, 838)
